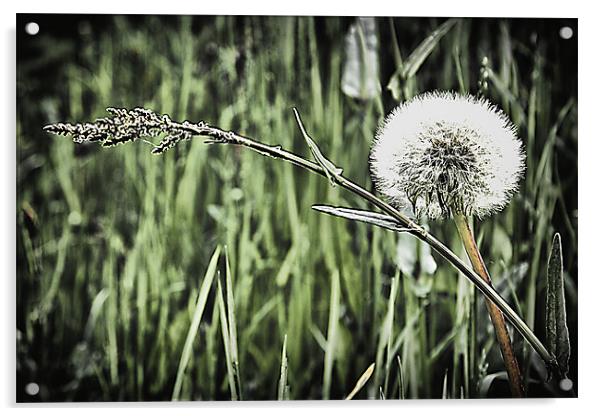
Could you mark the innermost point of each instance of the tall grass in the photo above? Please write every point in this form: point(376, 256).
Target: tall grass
point(112, 245)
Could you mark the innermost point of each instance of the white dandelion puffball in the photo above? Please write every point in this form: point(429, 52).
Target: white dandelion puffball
point(442, 153)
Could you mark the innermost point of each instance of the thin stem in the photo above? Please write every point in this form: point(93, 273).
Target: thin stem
point(220, 136)
point(497, 318)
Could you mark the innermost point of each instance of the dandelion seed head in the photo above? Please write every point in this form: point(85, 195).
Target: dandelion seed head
point(442, 153)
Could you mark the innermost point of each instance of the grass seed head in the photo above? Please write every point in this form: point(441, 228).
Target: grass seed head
point(125, 125)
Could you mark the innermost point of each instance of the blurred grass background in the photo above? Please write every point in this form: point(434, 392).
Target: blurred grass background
point(113, 245)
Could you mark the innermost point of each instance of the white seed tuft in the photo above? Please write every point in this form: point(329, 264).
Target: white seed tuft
point(442, 153)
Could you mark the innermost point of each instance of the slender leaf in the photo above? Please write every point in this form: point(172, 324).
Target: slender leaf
point(331, 343)
point(318, 336)
point(196, 321)
point(386, 338)
point(459, 72)
point(374, 218)
point(417, 57)
point(557, 332)
point(95, 310)
point(331, 171)
point(233, 338)
point(402, 394)
point(425, 48)
point(226, 339)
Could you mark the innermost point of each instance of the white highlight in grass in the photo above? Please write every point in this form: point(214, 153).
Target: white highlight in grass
point(32, 28)
point(441, 153)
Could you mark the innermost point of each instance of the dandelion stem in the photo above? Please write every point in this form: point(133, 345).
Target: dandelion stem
point(497, 318)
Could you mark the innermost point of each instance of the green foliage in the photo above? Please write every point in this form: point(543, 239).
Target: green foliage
point(110, 242)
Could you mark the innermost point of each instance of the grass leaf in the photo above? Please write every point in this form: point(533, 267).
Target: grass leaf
point(374, 218)
point(425, 48)
point(232, 333)
point(557, 333)
point(402, 394)
point(417, 57)
point(226, 339)
point(331, 343)
point(194, 325)
point(331, 171)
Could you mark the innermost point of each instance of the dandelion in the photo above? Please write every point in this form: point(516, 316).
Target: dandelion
point(442, 153)
point(448, 155)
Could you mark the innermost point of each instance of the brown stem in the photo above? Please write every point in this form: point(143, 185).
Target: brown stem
point(497, 318)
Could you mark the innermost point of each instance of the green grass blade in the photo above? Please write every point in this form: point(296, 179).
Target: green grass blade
point(406, 72)
point(385, 340)
point(331, 343)
point(318, 336)
point(418, 56)
point(459, 72)
point(95, 310)
point(331, 171)
point(226, 339)
point(402, 393)
point(233, 337)
point(47, 303)
point(194, 325)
